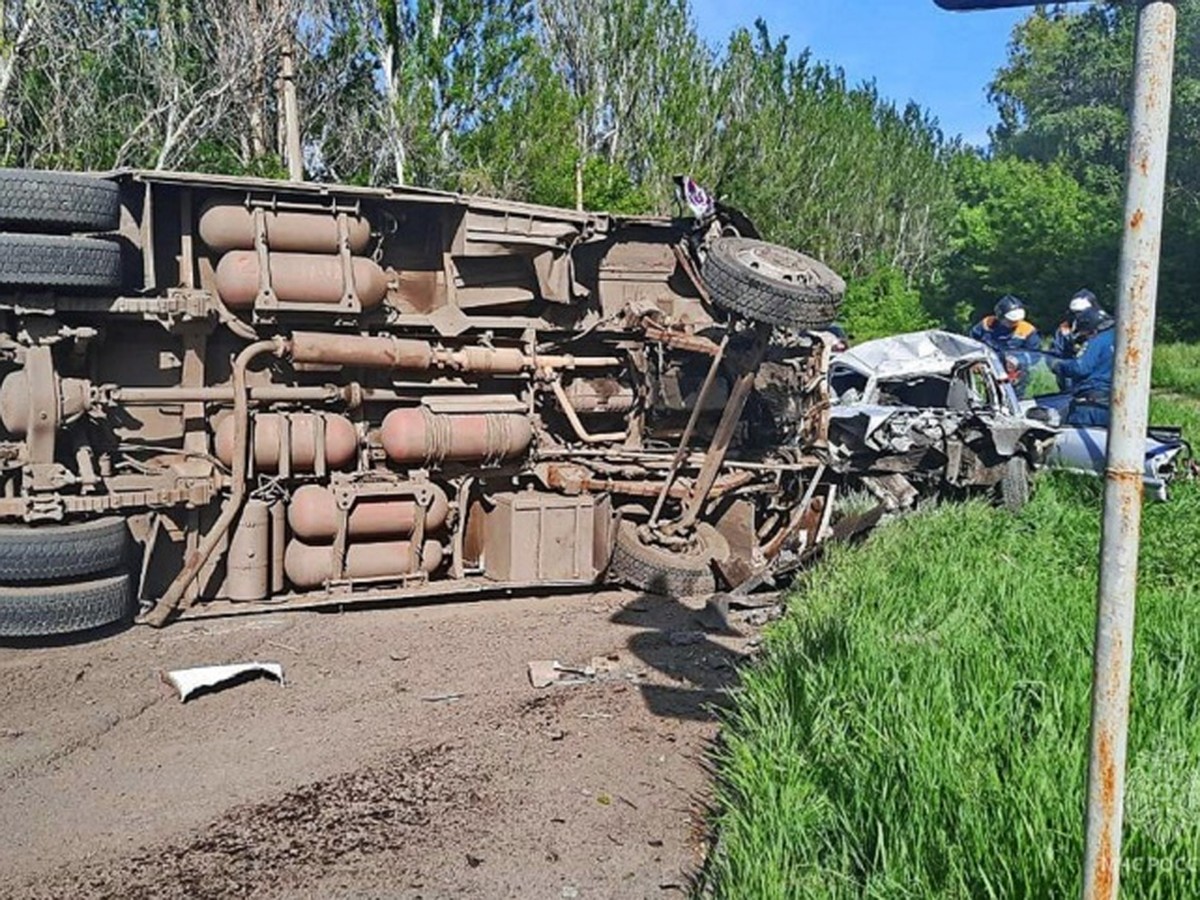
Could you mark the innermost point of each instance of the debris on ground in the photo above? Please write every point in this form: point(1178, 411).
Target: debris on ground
point(200, 678)
point(546, 672)
point(714, 616)
point(757, 618)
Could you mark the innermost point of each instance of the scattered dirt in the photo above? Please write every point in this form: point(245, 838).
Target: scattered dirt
point(407, 756)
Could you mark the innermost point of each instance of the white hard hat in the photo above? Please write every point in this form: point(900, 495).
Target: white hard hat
point(1083, 299)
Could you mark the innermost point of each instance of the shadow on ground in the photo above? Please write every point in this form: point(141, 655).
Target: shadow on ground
point(672, 641)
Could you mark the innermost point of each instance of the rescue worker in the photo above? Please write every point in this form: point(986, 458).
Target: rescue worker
point(1007, 332)
point(1067, 342)
point(1090, 374)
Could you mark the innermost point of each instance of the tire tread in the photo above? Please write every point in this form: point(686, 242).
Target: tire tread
point(38, 200)
point(45, 610)
point(653, 570)
point(738, 289)
point(61, 552)
point(54, 261)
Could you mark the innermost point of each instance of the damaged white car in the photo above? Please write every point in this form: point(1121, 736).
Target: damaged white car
point(931, 412)
point(1081, 448)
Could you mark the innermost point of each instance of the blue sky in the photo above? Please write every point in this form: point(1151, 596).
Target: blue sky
point(911, 48)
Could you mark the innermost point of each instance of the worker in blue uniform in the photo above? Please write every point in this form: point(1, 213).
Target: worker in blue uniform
point(1090, 373)
point(1008, 333)
point(1067, 343)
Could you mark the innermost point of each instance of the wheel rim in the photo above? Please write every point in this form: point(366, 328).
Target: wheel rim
point(698, 550)
point(777, 263)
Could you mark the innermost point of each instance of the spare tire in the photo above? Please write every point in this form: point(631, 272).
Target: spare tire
point(35, 200)
point(61, 552)
point(772, 284)
point(44, 610)
point(670, 573)
point(48, 261)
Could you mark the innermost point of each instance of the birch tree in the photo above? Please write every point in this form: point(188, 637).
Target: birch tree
point(641, 81)
point(153, 83)
point(442, 66)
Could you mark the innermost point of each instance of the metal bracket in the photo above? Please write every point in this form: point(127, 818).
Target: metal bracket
point(347, 493)
point(267, 301)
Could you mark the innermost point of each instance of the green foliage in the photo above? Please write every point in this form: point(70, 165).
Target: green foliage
point(643, 89)
point(629, 94)
point(918, 727)
point(1041, 381)
point(452, 65)
point(881, 304)
point(1029, 229)
point(828, 168)
point(1063, 98)
point(1173, 409)
point(527, 151)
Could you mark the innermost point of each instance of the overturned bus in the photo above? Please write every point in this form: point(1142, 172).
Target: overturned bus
point(226, 394)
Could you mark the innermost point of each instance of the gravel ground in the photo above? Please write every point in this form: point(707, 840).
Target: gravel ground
point(407, 756)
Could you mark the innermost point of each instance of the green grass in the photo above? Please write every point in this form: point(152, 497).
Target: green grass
point(1041, 381)
point(1177, 368)
point(918, 725)
point(1172, 409)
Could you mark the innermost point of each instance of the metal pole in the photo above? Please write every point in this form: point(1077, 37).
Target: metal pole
point(1121, 531)
point(291, 109)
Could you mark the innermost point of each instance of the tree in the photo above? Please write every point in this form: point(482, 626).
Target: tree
point(828, 168)
point(143, 82)
point(443, 67)
point(1029, 229)
point(641, 85)
point(1063, 97)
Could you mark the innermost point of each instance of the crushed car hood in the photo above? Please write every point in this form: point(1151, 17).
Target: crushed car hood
point(919, 353)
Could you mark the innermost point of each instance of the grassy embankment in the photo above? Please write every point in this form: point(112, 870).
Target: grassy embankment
point(918, 726)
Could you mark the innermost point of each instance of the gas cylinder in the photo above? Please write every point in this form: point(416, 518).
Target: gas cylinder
point(294, 435)
point(227, 225)
point(298, 278)
point(313, 514)
point(311, 565)
point(416, 436)
point(248, 560)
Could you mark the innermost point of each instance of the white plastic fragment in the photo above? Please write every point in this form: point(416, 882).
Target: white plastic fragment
point(546, 672)
point(188, 681)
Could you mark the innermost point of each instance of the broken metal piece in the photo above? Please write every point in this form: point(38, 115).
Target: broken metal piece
point(188, 681)
point(546, 672)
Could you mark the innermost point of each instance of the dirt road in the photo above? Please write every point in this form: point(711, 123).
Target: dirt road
point(407, 756)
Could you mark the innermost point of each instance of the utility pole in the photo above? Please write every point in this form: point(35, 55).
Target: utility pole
point(1121, 530)
point(291, 109)
point(1137, 292)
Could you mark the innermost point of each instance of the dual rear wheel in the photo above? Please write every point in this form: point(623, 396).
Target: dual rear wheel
point(60, 579)
point(46, 219)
